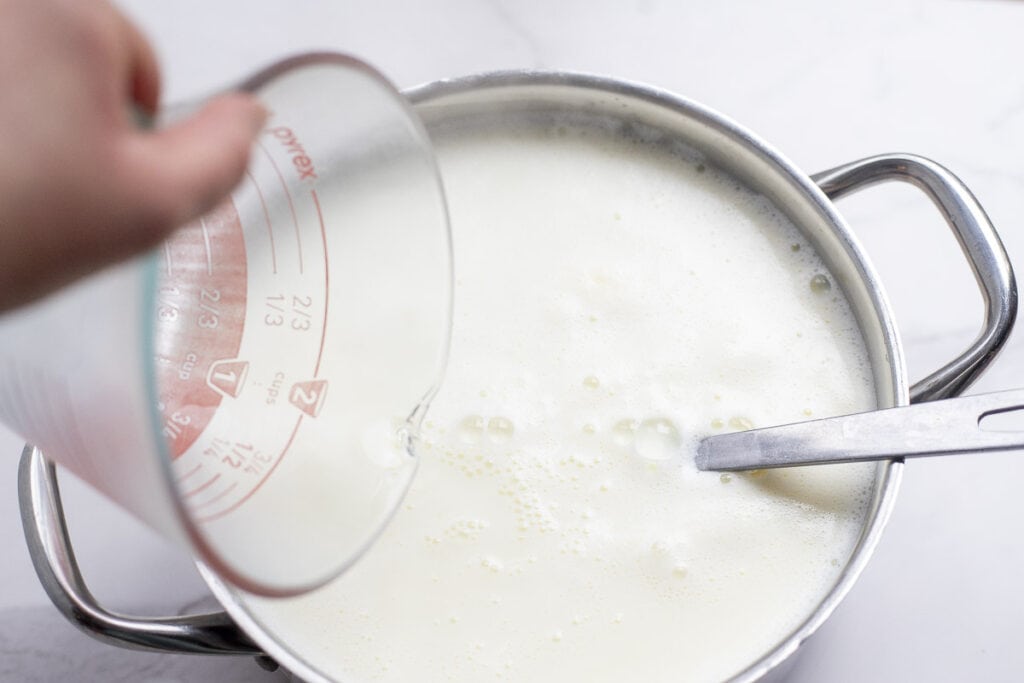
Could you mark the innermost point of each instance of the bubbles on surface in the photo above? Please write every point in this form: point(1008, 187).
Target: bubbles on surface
point(666, 560)
point(624, 432)
point(740, 423)
point(492, 564)
point(500, 429)
point(820, 284)
point(657, 439)
point(471, 429)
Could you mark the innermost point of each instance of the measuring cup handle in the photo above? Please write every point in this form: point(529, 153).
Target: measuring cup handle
point(46, 532)
point(978, 240)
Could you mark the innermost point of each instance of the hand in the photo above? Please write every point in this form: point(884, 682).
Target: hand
point(80, 185)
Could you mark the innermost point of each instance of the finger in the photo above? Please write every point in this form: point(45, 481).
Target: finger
point(181, 172)
point(143, 69)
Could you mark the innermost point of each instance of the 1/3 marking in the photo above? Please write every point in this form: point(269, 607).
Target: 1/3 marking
point(167, 309)
point(296, 312)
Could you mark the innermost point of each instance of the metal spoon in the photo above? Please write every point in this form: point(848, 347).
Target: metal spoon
point(946, 427)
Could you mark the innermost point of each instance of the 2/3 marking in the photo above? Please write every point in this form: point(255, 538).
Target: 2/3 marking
point(297, 314)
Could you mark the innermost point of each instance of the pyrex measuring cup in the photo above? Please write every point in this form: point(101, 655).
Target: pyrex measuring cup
point(253, 387)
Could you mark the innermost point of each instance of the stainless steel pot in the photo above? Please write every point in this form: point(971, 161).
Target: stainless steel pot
point(633, 110)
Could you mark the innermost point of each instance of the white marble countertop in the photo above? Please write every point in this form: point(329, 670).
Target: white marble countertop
point(825, 82)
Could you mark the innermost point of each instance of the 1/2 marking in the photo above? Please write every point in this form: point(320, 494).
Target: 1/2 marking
point(238, 455)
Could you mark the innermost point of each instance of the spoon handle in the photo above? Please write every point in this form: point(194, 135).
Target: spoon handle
point(947, 427)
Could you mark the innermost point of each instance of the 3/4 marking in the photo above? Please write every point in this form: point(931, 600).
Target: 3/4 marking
point(174, 426)
point(248, 494)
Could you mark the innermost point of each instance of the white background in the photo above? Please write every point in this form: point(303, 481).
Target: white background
point(825, 82)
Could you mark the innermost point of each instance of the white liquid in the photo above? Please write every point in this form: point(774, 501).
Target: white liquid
point(613, 305)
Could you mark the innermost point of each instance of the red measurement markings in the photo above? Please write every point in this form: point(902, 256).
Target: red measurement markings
point(309, 396)
point(323, 335)
point(278, 310)
point(228, 377)
point(190, 473)
point(291, 204)
point(202, 487)
point(266, 476)
point(327, 282)
point(266, 217)
point(214, 499)
point(234, 506)
point(200, 315)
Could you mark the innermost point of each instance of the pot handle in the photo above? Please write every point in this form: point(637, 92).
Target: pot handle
point(49, 545)
point(978, 240)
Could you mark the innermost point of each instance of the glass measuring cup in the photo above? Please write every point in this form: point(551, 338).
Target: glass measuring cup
point(253, 387)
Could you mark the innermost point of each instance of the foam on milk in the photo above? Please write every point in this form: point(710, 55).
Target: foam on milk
point(614, 304)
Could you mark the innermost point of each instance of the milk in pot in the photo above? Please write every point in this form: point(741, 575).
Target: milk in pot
point(615, 303)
